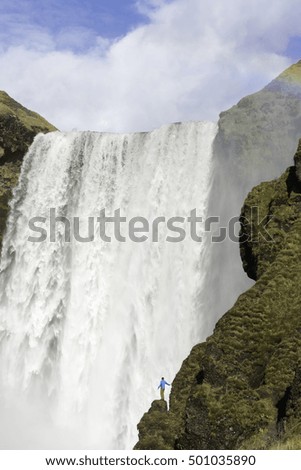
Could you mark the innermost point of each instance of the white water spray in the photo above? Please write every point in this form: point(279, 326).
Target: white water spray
point(88, 329)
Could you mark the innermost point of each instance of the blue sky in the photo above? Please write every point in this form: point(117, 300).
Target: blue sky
point(108, 18)
point(135, 65)
point(293, 49)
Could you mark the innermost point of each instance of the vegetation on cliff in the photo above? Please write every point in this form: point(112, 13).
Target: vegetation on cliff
point(18, 127)
point(241, 389)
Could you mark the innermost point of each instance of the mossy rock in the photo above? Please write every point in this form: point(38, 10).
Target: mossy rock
point(18, 127)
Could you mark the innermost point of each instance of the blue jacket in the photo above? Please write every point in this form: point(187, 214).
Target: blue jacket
point(162, 384)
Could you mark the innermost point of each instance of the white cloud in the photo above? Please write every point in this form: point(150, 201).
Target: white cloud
point(194, 59)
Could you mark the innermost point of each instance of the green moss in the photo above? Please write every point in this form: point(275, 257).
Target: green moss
point(156, 428)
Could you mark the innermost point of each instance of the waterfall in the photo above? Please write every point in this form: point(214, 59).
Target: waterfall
point(87, 329)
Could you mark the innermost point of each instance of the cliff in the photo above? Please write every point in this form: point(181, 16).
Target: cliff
point(260, 133)
point(255, 142)
point(241, 388)
point(18, 127)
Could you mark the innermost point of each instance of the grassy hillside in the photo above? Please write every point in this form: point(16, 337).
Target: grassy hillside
point(18, 127)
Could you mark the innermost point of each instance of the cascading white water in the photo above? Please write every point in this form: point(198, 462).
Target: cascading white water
point(88, 329)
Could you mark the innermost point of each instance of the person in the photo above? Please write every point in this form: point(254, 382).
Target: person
point(162, 387)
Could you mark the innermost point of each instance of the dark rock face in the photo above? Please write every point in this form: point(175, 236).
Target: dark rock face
point(18, 127)
point(241, 389)
point(268, 216)
point(298, 162)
